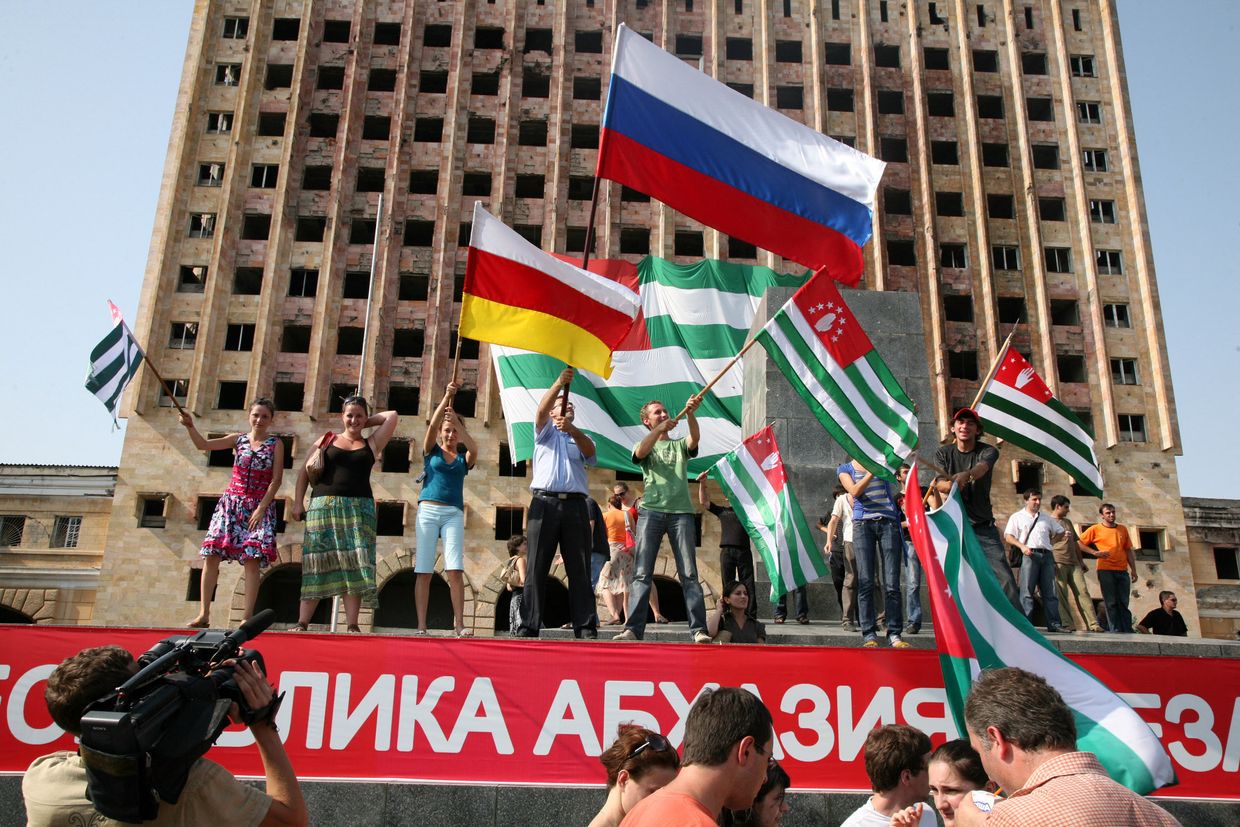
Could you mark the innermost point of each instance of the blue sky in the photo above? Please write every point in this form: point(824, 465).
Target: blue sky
point(90, 89)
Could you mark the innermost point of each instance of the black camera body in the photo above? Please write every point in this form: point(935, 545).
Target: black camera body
point(140, 742)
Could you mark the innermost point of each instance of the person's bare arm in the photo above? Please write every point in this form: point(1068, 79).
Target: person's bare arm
point(298, 509)
point(695, 433)
point(432, 427)
point(385, 421)
point(462, 433)
point(855, 488)
point(201, 442)
point(547, 403)
point(644, 447)
point(582, 440)
point(288, 807)
point(703, 492)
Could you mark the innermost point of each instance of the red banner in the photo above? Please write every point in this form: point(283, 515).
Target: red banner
point(540, 712)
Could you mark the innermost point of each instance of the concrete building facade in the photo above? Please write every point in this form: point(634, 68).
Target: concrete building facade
point(1012, 198)
point(1214, 549)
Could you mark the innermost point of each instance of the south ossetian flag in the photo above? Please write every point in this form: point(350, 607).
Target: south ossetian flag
point(976, 628)
point(756, 483)
point(721, 158)
point(830, 362)
point(1016, 405)
point(517, 295)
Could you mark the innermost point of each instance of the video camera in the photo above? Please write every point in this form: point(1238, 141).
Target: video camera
point(141, 741)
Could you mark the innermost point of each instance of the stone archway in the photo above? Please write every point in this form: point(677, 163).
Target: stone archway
point(37, 604)
point(402, 561)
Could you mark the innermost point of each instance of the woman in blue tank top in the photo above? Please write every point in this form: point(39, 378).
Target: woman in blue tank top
point(441, 509)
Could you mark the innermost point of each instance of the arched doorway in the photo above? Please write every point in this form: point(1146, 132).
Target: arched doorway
point(397, 609)
point(11, 615)
point(280, 590)
point(555, 610)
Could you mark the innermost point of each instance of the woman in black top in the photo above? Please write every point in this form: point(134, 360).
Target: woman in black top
point(338, 552)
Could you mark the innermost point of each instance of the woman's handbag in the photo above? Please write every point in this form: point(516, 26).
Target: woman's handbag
point(630, 542)
point(314, 463)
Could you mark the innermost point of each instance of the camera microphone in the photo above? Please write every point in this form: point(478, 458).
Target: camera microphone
point(252, 628)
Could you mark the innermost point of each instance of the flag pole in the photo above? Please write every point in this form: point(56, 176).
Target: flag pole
point(456, 360)
point(585, 262)
point(163, 382)
point(720, 374)
point(370, 293)
point(994, 368)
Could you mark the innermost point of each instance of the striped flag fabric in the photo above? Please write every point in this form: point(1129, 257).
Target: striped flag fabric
point(694, 319)
point(1016, 405)
point(113, 362)
point(756, 483)
point(829, 360)
point(717, 156)
point(976, 628)
point(519, 296)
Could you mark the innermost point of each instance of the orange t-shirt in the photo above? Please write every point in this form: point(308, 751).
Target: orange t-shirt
point(614, 520)
point(1114, 542)
point(662, 808)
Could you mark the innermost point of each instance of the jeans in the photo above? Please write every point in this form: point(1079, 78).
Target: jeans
point(874, 541)
point(679, 528)
point(1116, 586)
point(737, 564)
point(912, 587)
point(1037, 571)
point(802, 601)
point(435, 521)
point(1070, 581)
point(996, 555)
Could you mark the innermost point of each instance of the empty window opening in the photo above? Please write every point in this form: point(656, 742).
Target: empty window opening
point(408, 342)
point(1033, 63)
point(890, 102)
point(688, 45)
point(437, 35)
point(953, 255)
point(349, 341)
point(946, 153)
point(488, 37)
point(370, 179)
point(689, 243)
point(303, 282)
point(376, 128)
point(271, 124)
point(403, 399)
point(255, 227)
point(1000, 206)
point(532, 133)
point(840, 100)
point(310, 228)
point(247, 281)
point(530, 186)
point(381, 80)
point(1227, 563)
point(587, 88)
point(285, 28)
point(738, 48)
point(787, 51)
point(279, 76)
point(839, 54)
point(535, 83)
point(634, 241)
point(413, 287)
point(1071, 368)
point(583, 136)
point(900, 253)
point(588, 43)
point(962, 364)
point(935, 58)
point(424, 182)
point(897, 202)
point(295, 338)
point(949, 203)
point(537, 40)
point(428, 130)
point(396, 456)
point(356, 285)
point(152, 510)
point(183, 335)
point(1045, 156)
point(741, 249)
point(324, 124)
point(985, 60)
point(1010, 309)
point(509, 521)
point(191, 278)
point(887, 57)
point(994, 155)
point(432, 81)
point(1028, 476)
point(289, 396)
point(336, 31)
point(508, 468)
point(485, 84)
point(419, 233)
point(387, 34)
point(1040, 109)
point(480, 131)
point(1065, 312)
point(941, 104)
point(1052, 209)
point(233, 396)
point(957, 308)
point(389, 519)
point(789, 97)
point(264, 176)
point(894, 150)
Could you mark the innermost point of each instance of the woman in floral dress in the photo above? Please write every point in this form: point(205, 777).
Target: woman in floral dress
point(243, 527)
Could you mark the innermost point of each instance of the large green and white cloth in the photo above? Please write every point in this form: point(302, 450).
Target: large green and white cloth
point(830, 362)
point(1016, 405)
point(694, 319)
point(113, 362)
point(754, 479)
point(976, 628)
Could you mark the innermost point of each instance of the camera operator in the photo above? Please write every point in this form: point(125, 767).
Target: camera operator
point(54, 786)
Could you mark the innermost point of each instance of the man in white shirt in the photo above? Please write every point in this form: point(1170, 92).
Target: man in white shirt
point(841, 515)
point(1031, 531)
point(897, 761)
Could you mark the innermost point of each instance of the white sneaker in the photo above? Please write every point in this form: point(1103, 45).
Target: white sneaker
point(701, 637)
point(627, 634)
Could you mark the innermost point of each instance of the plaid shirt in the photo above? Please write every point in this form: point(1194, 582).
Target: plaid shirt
point(1073, 790)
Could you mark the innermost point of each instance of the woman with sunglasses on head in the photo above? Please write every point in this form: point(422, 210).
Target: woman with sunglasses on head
point(638, 763)
point(730, 622)
point(243, 527)
point(338, 552)
point(770, 805)
point(955, 771)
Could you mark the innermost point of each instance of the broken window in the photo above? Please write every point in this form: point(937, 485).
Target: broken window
point(476, 183)
point(985, 60)
point(408, 343)
point(1040, 109)
point(316, 178)
point(949, 203)
point(362, 231)
point(349, 341)
point(935, 17)
point(588, 43)
point(583, 136)
point(689, 243)
point(894, 150)
point(901, 253)
point(324, 124)
point(183, 335)
point(484, 84)
point(957, 308)
point(1065, 313)
point(247, 281)
point(787, 51)
point(509, 521)
point(488, 37)
point(588, 88)
point(295, 338)
point(419, 233)
point(1010, 309)
point(535, 83)
point(839, 100)
point(1132, 428)
point(534, 186)
point(433, 81)
point(887, 57)
point(180, 391)
point(1082, 66)
point(376, 128)
point(336, 31)
point(428, 130)
point(219, 122)
point(1000, 206)
point(356, 285)
point(941, 104)
point(537, 40)
point(424, 181)
point(236, 28)
point(688, 45)
point(953, 255)
point(1124, 371)
point(1033, 63)
point(191, 278)
point(285, 28)
point(1028, 17)
point(381, 80)
point(387, 34)
point(310, 228)
point(1110, 263)
point(1070, 367)
point(239, 337)
point(437, 35)
point(370, 179)
point(255, 227)
point(990, 107)
point(396, 456)
point(263, 176)
point(890, 102)
point(789, 97)
point(635, 241)
point(151, 507)
point(738, 48)
point(480, 130)
point(839, 54)
point(994, 155)
point(288, 396)
point(227, 74)
point(962, 364)
point(1045, 156)
point(1089, 112)
point(210, 175)
point(1102, 212)
point(413, 287)
point(1005, 257)
point(1094, 160)
point(1052, 209)
point(271, 124)
point(279, 76)
point(201, 225)
point(303, 282)
point(232, 396)
point(935, 58)
point(897, 202)
point(1058, 259)
point(945, 153)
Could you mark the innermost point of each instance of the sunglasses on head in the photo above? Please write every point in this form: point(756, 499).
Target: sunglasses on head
point(654, 741)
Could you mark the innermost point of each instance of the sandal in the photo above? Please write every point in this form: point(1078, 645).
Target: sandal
point(299, 627)
point(421, 633)
point(354, 628)
point(198, 624)
point(779, 620)
point(465, 633)
point(663, 620)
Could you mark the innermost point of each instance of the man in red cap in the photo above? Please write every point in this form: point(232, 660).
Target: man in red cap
point(968, 462)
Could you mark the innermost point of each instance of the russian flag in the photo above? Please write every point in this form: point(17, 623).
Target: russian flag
point(713, 154)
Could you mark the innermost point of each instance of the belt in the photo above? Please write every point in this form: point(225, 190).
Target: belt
point(559, 495)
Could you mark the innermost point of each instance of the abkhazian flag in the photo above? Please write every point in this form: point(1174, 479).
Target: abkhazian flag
point(718, 156)
point(519, 296)
point(977, 628)
point(1017, 406)
point(694, 319)
point(754, 479)
point(828, 359)
point(113, 362)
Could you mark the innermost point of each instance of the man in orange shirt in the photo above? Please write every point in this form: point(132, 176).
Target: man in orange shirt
point(1117, 567)
point(727, 748)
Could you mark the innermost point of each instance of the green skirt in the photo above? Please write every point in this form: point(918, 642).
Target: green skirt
point(338, 553)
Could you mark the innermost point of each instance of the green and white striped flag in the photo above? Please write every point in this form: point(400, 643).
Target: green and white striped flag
point(754, 479)
point(827, 358)
point(113, 362)
point(976, 628)
point(1017, 406)
point(694, 319)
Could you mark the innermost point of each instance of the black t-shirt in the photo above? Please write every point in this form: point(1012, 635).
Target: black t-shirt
point(731, 532)
point(1161, 623)
point(976, 495)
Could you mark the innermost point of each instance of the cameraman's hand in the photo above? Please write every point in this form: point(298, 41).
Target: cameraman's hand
point(253, 685)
